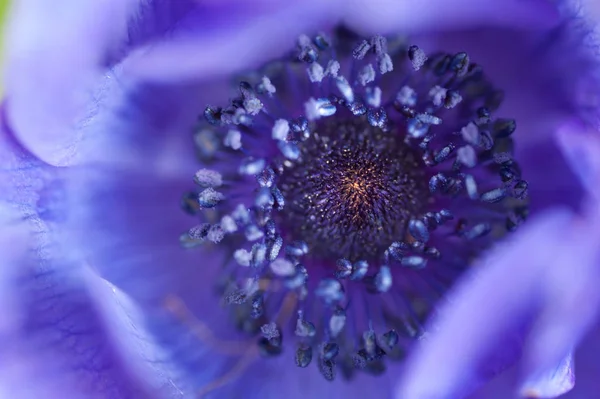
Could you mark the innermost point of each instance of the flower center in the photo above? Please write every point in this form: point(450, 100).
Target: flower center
point(352, 191)
point(344, 223)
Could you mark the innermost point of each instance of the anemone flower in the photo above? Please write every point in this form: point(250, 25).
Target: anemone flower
point(303, 238)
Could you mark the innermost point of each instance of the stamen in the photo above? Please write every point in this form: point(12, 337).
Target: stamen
point(265, 86)
point(337, 322)
point(209, 198)
point(417, 57)
point(359, 270)
point(283, 267)
point(176, 306)
point(233, 140)
point(251, 166)
point(333, 68)
point(367, 75)
point(361, 50)
point(208, 178)
point(304, 356)
point(362, 210)
point(315, 72)
point(383, 279)
point(281, 128)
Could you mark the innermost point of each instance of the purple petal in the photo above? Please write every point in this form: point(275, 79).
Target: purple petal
point(524, 287)
point(588, 367)
point(551, 383)
point(246, 38)
point(417, 15)
point(62, 326)
point(125, 219)
point(68, 333)
point(563, 189)
point(581, 147)
point(494, 303)
point(569, 296)
point(507, 384)
point(56, 66)
point(51, 64)
point(125, 211)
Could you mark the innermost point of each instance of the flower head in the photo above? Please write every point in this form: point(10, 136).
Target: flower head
point(320, 260)
point(349, 185)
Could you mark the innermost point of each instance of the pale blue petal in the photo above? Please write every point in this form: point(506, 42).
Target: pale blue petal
point(551, 383)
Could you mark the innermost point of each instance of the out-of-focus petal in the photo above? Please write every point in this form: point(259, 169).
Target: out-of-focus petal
point(62, 326)
point(125, 219)
point(551, 383)
point(581, 147)
point(585, 362)
point(125, 212)
point(539, 285)
point(588, 367)
point(245, 39)
point(52, 64)
point(418, 15)
point(258, 39)
point(571, 300)
point(73, 334)
point(13, 242)
point(56, 334)
point(55, 66)
point(494, 303)
point(570, 296)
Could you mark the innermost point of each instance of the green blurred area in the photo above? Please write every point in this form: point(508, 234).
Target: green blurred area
point(3, 7)
point(3, 11)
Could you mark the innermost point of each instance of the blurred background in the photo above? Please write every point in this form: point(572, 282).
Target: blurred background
point(3, 9)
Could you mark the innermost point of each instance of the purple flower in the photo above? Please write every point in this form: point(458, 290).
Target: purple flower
point(101, 300)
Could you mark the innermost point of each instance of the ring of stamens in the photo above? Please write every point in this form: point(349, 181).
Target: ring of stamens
point(398, 191)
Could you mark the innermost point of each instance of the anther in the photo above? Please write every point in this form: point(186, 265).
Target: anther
point(233, 139)
point(304, 328)
point(209, 198)
point(366, 75)
point(242, 257)
point(337, 322)
point(414, 262)
point(270, 331)
point(418, 230)
point(315, 72)
point(359, 270)
point(330, 291)
point(494, 196)
point(344, 268)
point(283, 267)
point(361, 50)
point(281, 128)
point(330, 351)
point(208, 178)
point(304, 356)
point(251, 166)
point(383, 279)
point(417, 57)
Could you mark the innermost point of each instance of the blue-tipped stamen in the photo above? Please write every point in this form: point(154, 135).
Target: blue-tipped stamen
point(350, 184)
